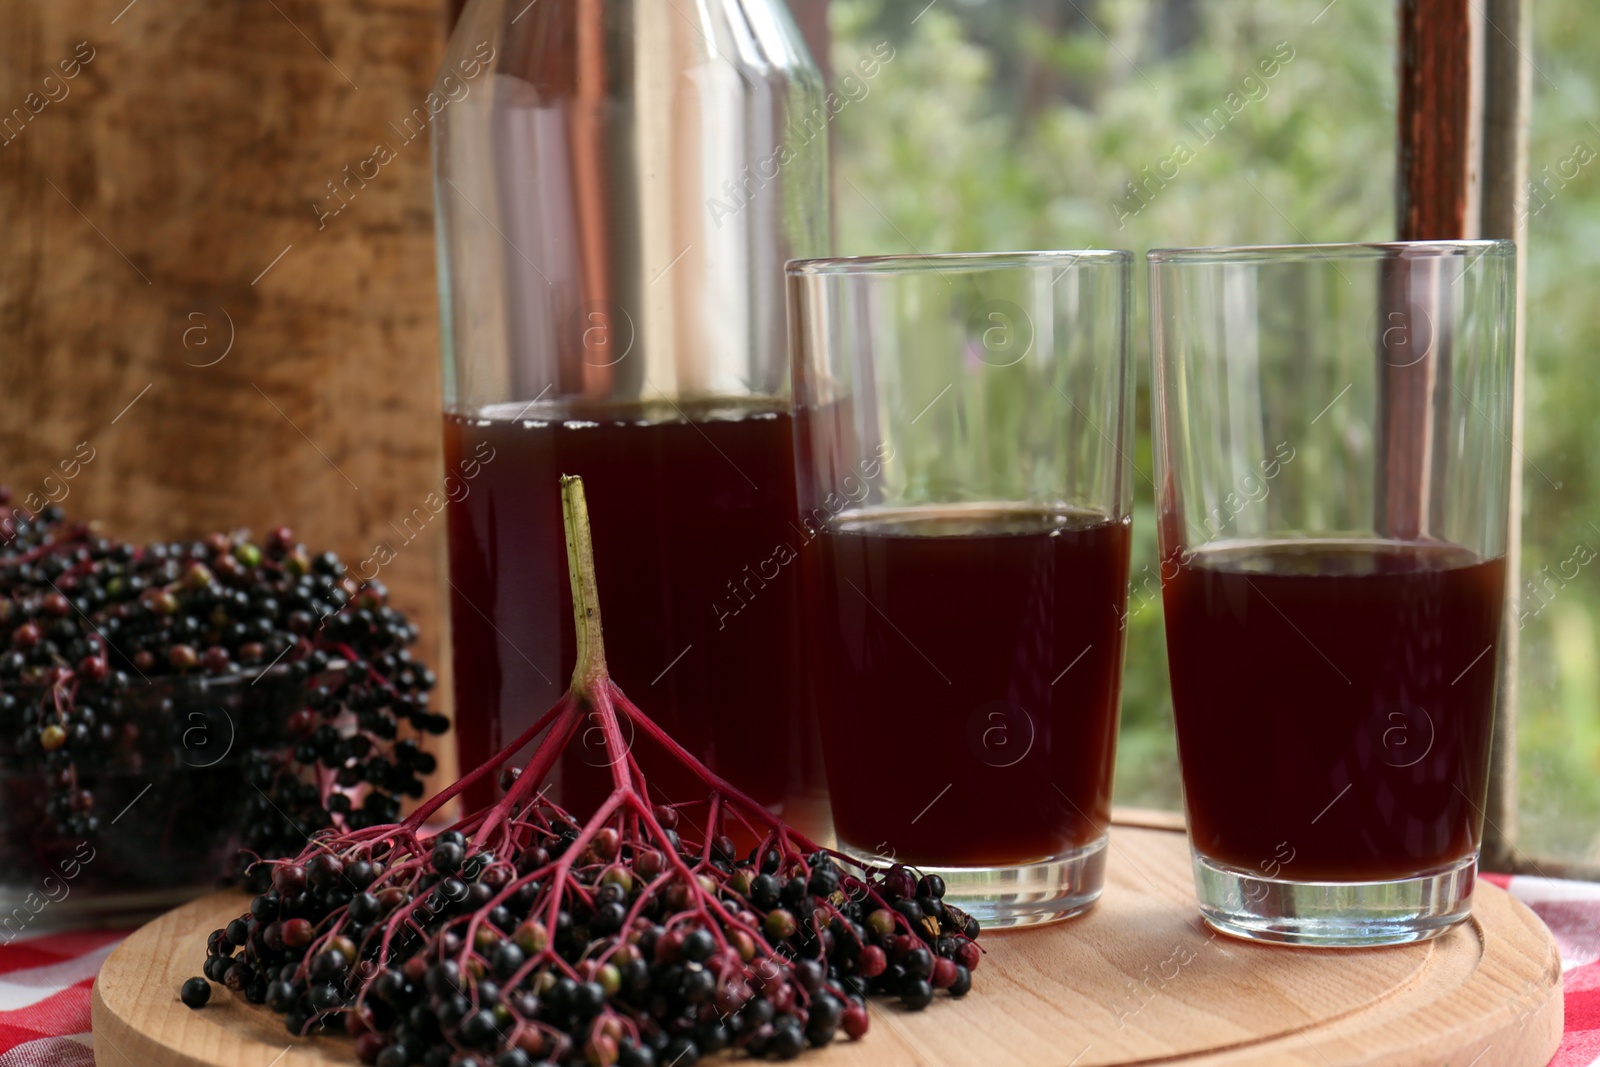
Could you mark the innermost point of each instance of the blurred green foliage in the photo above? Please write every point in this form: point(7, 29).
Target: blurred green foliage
point(1559, 710)
point(1147, 123)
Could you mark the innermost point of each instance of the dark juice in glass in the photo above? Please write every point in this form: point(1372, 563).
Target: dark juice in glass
point(969, 665)
point(1334, 703)
point(692, 509)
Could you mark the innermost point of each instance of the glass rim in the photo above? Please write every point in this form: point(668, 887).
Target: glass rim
point(1345, 250)
point(909, 263)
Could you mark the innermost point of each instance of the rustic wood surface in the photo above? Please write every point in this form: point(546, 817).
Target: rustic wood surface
point(169, 296)
point(1137, 980)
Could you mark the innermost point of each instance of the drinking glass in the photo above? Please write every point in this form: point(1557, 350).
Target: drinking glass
point(1333, 468)
point(961, 431)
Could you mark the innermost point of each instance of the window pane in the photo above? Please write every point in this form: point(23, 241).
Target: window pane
point(1559, 608)
point(967, 126)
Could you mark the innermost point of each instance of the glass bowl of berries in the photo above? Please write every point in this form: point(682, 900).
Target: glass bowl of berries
point(170, 713)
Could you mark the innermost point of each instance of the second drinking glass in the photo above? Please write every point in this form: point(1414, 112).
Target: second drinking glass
point(1334, 469)
point(961, 435)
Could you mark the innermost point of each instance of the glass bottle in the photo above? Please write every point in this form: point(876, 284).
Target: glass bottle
point(618, 186)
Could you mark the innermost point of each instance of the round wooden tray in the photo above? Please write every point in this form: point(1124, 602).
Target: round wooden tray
point(1139, 980)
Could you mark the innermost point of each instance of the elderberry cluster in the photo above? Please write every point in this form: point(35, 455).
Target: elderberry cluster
point(440, 953)
point(249, 687)
point(525, 935)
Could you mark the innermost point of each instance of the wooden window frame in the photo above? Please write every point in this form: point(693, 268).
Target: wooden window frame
point(1462, 152)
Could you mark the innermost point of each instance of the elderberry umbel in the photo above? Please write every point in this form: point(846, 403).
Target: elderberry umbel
point(629, 935)
point(256, 691)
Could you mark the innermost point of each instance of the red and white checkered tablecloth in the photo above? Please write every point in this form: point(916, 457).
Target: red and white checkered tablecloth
point(45, 980)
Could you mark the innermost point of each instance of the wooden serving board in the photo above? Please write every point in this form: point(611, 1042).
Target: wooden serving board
point(1139, 980)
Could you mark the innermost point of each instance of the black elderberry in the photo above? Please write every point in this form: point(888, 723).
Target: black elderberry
point(452, 1009)
point(757, 1040)
point(325, 996)
point(698, 946)
point(764, 892)
point(755, 1014)
point(810, 974)
point(424, 1023)
point(507, 959)
point(823, 1019)
point(280, 996)
point(631, 1055)
point(488, 994)
point(681, 1051)
point(636, 976)
point(444, 978)
point(324, 870)
point(586, 999)
point(478, 1029)
point(238, 975)
point(328, 965)
point(824, 882)
point(786, 1042)
point(697, 985)
point(265, 906)
point(608, 918)
point(196, 993)
point(899, 884)
point(364, 907)
point(916, 993)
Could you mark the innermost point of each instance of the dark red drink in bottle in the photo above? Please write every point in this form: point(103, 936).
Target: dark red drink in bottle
point(611, 289)
point(695, 548)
